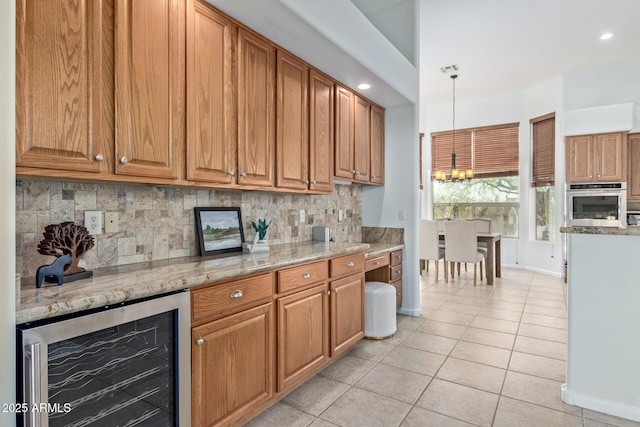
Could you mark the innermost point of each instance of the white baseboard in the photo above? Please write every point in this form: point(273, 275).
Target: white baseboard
point(535, 270)
point(617, 409)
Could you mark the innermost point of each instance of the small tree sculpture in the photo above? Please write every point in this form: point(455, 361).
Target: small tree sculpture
point(66, 238)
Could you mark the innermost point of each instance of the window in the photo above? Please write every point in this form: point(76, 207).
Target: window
point(493, 193)
point(543, 138)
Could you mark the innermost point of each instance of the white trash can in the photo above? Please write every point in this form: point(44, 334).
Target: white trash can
point(379, 310)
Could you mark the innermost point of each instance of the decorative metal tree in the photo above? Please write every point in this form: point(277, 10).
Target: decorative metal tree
point(67, 238)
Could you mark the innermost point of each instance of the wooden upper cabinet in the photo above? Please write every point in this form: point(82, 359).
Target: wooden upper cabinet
point(344, 130)
point(596, 158)
point(610, 154)
point(633, 167)
point(292, 119)
point(320, 132)
point(256, 109)
point(377, 145)
point(64, 85)
point(150, 82)
point(211, 95)
point(362, 139)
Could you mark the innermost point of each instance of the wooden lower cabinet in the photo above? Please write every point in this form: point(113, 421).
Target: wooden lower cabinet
point(303, 329)
point(250, 349)
point(347, 313)
point(387, 269)
point(232, 367)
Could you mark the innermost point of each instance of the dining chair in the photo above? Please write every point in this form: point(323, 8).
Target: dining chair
point(461, 245)
point(483, 225)
point(429, 246)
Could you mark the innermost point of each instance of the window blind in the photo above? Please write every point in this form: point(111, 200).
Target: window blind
point(543, 130)
point(492, 151)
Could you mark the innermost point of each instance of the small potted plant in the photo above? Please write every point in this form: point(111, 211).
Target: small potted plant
point(259, 242)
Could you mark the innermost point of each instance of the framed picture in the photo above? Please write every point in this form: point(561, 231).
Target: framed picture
point(219, 230)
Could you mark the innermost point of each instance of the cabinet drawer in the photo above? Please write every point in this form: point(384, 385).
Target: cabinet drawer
point(221, 300)
point(396, 257)
point(398, 286)
point(377, 262)
point(396, 273)
point(347, 264)
point(296, 277)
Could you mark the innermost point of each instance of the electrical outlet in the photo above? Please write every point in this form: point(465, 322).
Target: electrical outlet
point(302, 216)
point(402, 214)
point(340, 215)
point(111, 222)
point(93, 222)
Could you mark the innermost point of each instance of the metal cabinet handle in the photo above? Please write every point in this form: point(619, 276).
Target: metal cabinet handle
point(306, 181)
point(243, 174)
point(376, 263)
point(232, 173)
point(350, 264)
point(353, 171)
point(200, 341)
point(236, 294)
point(328, 293)
point(306, 276)
point(314, 182)
point(335, 291)
point(32, 354)
point(99, 157)
point(124, 160)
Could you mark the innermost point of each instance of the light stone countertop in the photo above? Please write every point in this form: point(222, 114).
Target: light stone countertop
point(377, 249)
point(114, 285)
point(611, 231)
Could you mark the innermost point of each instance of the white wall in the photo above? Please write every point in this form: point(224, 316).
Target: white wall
point(7, 209)
point(381, 205)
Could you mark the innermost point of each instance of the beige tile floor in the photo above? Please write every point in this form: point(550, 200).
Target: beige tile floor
point(478, 356)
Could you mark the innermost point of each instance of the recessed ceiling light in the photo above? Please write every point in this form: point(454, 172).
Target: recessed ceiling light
point(364, 86)
point(606, 36)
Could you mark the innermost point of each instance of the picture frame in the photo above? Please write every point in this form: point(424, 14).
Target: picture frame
point(219, 230)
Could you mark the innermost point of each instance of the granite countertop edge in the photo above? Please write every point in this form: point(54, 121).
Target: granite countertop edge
point(611, 231)
point(114, 285)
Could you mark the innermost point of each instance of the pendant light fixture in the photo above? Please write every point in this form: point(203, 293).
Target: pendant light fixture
point(456, 174)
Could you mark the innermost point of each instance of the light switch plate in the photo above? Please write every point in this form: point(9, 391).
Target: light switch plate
point(302, 216)
point(340, 215)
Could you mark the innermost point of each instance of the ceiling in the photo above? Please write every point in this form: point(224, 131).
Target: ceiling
point(506, 45)
point(500, 46)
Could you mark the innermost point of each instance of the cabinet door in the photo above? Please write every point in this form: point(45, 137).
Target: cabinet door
point(211, 95)
point(610, 152)
point(320, 132)
point(149, 64)
point(347, 313)
point(343, 163)
point(303, 335)
point(633, 167)
point(292, 133)
point(256, 110)
point(232, 366)
point(64, 85)
point(377, 145)
point(579, 159)
point(362, 139)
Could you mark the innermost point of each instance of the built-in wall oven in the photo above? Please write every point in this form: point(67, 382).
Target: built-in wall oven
point(597, 204)
point(126, 365)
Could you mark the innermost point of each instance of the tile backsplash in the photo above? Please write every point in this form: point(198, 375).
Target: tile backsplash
point(158, 222)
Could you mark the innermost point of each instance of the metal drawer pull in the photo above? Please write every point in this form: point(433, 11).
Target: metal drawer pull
point(328, 292)
point(199, 341)
point(376, 263)
point(124, 160)
point(306, 276)
point(232, 173)
point(236, 294)
point(350, 264)
point(99, 157)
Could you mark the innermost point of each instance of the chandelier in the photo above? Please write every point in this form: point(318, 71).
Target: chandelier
point(455, 174)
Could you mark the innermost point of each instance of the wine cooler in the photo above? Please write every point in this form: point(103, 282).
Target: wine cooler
point(126, 365)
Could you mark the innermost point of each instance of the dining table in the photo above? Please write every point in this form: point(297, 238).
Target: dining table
point(493, 254)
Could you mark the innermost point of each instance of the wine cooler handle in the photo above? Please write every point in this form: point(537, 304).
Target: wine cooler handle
point(32, 383)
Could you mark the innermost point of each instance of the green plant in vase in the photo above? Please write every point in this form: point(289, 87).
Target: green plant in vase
point(261, 228)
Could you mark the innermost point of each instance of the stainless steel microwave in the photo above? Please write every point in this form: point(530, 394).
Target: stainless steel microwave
point(601, 204)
